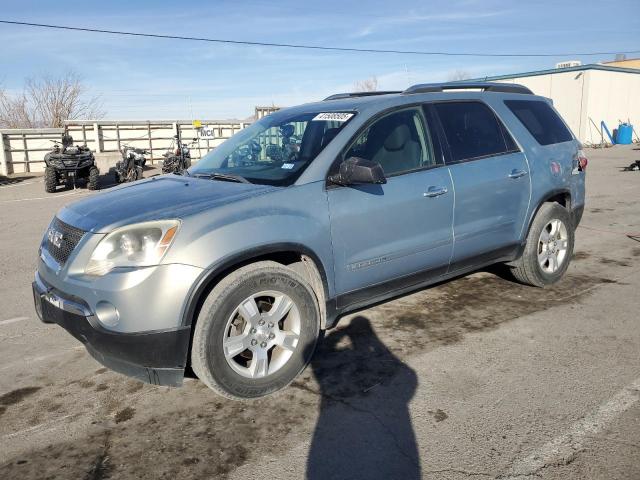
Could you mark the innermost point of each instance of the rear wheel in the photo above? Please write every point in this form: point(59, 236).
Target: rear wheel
point(548, 249)
point(256, 331)
point(50, 179)
point(92, 183)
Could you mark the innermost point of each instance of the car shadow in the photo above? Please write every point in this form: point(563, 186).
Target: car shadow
point(363, 428)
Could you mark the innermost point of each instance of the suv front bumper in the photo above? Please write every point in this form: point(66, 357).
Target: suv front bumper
point(157, 357)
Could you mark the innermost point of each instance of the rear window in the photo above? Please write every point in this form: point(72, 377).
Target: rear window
point(541, 120)
point(473, 131)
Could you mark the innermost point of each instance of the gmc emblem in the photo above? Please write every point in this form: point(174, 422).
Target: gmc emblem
point(55, 238)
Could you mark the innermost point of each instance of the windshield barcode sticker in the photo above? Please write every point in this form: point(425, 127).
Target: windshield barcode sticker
point(287, 166)
point(333, 117)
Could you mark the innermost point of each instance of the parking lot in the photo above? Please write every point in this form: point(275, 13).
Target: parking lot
point(477, 377)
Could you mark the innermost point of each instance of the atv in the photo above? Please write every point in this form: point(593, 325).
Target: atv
point(67, 163)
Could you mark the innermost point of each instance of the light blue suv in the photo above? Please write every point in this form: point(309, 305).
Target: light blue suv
point(234, 269)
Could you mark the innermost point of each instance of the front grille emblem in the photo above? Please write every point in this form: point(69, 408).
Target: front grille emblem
point(55, 238)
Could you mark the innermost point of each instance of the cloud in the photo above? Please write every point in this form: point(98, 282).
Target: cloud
point(413, 17)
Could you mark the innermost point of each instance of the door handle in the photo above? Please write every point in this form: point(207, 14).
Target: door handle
point(435, 192)
point(515, 173)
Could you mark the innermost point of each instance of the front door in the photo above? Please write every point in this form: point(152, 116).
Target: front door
point(396, 231)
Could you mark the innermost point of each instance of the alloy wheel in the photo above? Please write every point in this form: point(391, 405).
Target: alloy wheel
point(261, 334)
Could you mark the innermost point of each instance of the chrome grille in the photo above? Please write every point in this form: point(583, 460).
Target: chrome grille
point(61, 239)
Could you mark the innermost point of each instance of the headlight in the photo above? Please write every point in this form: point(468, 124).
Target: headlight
point(137, 245)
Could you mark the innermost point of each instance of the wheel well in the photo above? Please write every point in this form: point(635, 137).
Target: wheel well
point(301, 262)
point(563, 198)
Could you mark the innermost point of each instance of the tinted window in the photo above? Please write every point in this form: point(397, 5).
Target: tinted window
point(508, 139)
point(541, 120)
point(398, 142)
point(472, 130)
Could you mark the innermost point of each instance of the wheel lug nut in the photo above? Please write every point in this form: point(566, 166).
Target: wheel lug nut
point(270, 325)
point(253, 330)
point(261, 322)
point(254, 342)
point(263, 344)
point(272, 336)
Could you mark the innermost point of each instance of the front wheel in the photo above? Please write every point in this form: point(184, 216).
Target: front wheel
point(256, 331)
point(50, 179)
point(94, 174)
point(549, 247)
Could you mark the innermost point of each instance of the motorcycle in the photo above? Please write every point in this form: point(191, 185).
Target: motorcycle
point(178, 159)
point(130, 168)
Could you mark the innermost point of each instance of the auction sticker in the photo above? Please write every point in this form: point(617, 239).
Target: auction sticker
point(333, 117)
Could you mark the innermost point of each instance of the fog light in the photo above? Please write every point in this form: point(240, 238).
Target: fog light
point(107, 314)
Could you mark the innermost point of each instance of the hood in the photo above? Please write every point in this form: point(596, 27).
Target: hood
point(156, 198)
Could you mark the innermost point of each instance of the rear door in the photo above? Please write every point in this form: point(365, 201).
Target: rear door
point(491, 180)
point(399, 230)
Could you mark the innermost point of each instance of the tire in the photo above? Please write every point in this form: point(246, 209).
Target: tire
point(92, 183)
point(238, 377)
point(50, 180)
point(532, 268)
point(138, 173)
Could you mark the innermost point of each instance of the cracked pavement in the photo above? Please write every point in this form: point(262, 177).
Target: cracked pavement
point(474, 378)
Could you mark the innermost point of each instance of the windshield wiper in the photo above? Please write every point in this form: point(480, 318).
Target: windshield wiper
point(225, 177)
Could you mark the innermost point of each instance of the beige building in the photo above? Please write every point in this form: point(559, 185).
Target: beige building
point(586, 95)
point(626, 63)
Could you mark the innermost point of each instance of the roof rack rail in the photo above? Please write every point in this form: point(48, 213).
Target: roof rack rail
point(486, 86)
point(338, 96)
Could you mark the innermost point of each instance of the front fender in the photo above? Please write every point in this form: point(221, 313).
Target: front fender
point(294, 219)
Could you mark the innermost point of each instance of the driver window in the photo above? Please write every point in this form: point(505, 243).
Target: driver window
point(399, 142)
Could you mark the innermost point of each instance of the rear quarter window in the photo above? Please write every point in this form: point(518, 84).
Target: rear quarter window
point(473, 131)
point(541, 120)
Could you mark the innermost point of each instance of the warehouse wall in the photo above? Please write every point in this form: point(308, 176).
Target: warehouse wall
point(585, 95)
point(612, 97)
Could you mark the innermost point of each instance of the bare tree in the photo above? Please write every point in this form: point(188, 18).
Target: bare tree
point(15, 112)
point(49, 101)
point(367, 85)
point(457, 75)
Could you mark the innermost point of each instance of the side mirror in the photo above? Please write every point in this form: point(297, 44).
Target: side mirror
point(358, 171)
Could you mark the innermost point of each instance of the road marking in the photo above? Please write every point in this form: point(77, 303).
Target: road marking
point(564, 448)
point(44, 198)
point(13, 320)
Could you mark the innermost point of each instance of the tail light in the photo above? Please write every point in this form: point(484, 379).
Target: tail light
point(581, 161)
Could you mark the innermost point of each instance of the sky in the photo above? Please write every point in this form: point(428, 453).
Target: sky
point(143, 78)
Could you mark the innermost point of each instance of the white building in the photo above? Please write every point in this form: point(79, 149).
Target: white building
point(585, 95)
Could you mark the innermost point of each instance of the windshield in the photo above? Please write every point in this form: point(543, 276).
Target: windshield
point(275, 150)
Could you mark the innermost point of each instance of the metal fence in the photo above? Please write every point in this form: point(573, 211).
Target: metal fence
point(23, 150)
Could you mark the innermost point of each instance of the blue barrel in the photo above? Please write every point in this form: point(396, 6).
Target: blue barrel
point(625, 131)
